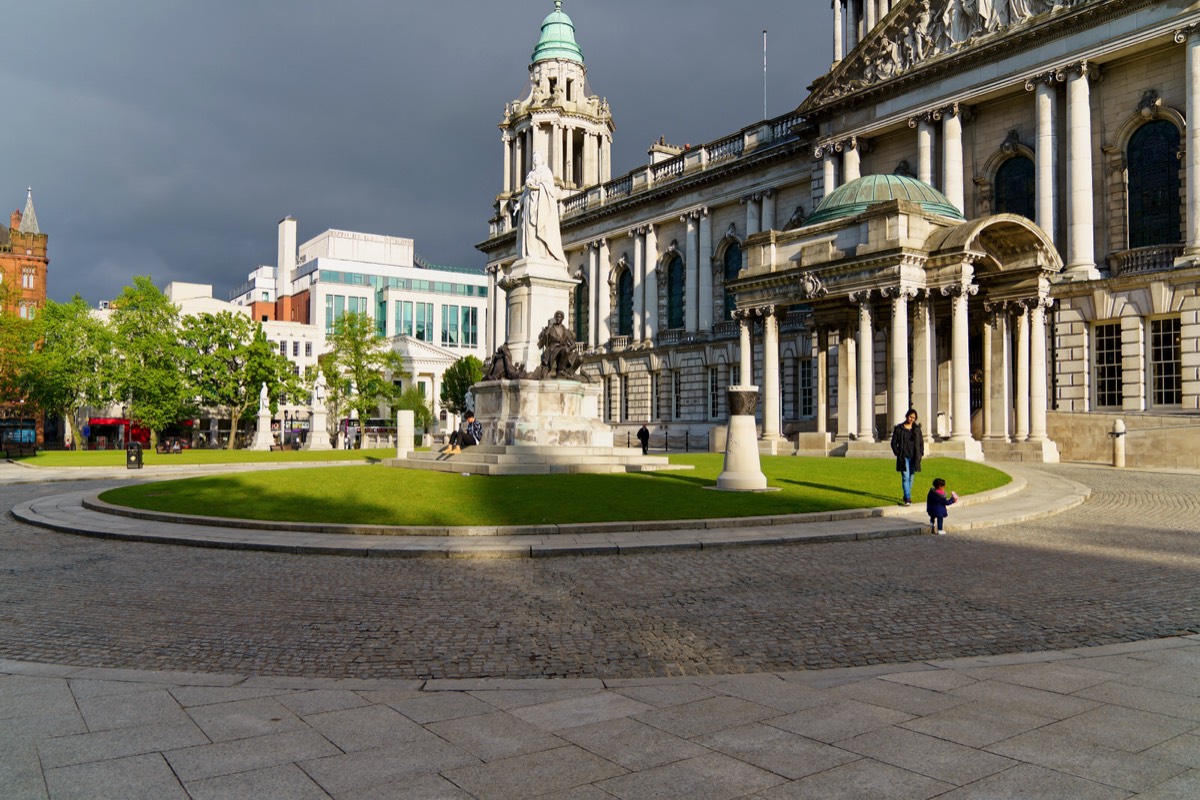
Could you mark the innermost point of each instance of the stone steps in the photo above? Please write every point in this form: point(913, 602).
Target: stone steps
point(537, 460)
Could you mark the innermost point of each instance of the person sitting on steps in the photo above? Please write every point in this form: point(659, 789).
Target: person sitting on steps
point(469, 436)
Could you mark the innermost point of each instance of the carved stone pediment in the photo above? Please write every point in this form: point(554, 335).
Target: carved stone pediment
point(919, 31)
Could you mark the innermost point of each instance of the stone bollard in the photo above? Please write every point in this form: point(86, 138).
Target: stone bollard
point(743, 471)
point(404, 433)
point(1118, 437)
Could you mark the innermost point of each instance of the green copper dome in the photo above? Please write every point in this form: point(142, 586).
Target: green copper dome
point(859, 195)
point(558, 38)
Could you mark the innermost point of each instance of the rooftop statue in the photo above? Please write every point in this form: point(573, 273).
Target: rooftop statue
point(538, 235)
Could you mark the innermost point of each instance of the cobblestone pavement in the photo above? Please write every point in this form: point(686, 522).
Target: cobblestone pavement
point(1122, 567)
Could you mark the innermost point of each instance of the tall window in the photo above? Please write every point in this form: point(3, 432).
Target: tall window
point(1154, 185)
point(714, 393)
point(582, 317)
point(1166, 368)
point(675, 293)
point(470, 327)
point(1015, 188)
point(450, 326)
point(1107, 347)
point(624, 398)
point(733, 265)
point(677, 394)
point(404, 317)
point(656, 393)
point(608, 399)
point(808, 387)
point(625, 304)
point(424, 322)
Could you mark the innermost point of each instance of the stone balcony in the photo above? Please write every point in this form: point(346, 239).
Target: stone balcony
point(1155, 258)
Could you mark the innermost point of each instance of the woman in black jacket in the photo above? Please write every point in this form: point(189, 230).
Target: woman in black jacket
point(908, 445)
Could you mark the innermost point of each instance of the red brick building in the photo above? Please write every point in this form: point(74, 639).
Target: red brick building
point(23, 267)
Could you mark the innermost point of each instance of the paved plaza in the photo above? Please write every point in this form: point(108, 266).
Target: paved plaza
point(1054, 657)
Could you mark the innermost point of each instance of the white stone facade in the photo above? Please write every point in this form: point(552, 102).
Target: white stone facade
point(1058, 111)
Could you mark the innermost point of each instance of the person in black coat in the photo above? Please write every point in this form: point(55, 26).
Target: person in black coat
point(643, 435)
point(908, 445)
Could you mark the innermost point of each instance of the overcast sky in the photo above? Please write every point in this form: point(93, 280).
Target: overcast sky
point(169, 137)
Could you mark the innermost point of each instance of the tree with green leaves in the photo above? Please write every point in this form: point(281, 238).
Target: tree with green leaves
point(457, 381)
point(147, 376)
point(414, 400)
point(360, 368)
point(71, 364)
point(228, 359)
point(16, 342)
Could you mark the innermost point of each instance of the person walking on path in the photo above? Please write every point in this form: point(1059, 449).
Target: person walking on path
point(643, 435)
point(908, 445)
point(937, 505)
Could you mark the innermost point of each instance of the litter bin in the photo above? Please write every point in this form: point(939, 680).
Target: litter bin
point(133, 455)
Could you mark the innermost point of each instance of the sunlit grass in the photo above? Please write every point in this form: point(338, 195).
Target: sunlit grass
point(378, 495)
point(116, 458)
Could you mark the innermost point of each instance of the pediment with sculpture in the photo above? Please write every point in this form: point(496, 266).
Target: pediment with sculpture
point(919, 32)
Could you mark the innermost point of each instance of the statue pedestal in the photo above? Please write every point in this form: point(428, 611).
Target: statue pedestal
point(536, 288)
point(405, 432)
point(262, 437)
point(318, 436)
point(558, 413)
point(743, 470)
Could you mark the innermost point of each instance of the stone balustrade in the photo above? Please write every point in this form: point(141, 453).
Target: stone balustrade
point(1155, 258)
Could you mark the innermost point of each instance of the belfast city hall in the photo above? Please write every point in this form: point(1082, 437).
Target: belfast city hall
point(985, 211)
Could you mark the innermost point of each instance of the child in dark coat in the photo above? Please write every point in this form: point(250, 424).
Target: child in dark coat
point(937, 503)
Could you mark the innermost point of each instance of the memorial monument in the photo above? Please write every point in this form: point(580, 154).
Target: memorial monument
point(263, 439)
point(318, 433)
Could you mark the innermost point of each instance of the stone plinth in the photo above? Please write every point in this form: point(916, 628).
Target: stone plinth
point(262, 437)
point(318, 435)
point(536, 288)
point(544, 413)
point(743, 470)
point(405, 431)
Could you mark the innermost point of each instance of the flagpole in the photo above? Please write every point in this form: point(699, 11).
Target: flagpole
point(764, 116)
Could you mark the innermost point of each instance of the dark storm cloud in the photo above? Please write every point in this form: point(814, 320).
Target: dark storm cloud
point(169, 137)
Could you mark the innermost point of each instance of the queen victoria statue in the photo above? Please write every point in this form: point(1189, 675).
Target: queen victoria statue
point(538, 236)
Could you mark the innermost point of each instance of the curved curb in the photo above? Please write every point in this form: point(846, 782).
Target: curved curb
point(81, 513)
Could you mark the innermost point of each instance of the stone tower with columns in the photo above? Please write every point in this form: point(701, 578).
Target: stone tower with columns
point(558, 116)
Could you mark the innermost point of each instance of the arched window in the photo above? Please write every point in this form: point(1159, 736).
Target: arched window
point(1154, 216)
point(675, 293)
point(625, 304)
point(1015, 188)
point(733, 265)
point(582, 318)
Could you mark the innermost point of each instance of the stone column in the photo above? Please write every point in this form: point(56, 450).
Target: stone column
point(753, 214)
point(554, 150)
point(866, 367)
point(768, 210)
point(828, 169)
point(1046, 157)
point(1000, 387)
point(851, 161)
point(1037, 371)
point(986, 411)
point(838, 41)
point(507, 142)
point(770, 374)
point(490, 343)
point(924, 125)
point(745, 347)
point(704, 318)
point(851, 25)
point(922, 366)
point(952, 156)
point(639, 284)
point(960, 424)
point(593, 284)
point(821, 379)
point(898, 383)
point(569, 156)
point(847, 383)
point(603, 298)
point(651, 283)
point(1081, 247)
point(606, 155)
point(1021, 432)
point(691, 281)
point(870, 17)
point(1191, 165)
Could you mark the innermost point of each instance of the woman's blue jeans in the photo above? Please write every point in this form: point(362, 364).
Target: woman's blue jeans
point(906, 479)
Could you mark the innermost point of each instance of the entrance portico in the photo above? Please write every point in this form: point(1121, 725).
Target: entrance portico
point(921, 309)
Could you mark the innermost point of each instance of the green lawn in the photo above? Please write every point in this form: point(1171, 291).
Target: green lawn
point(116, 458)
point(387, 496)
